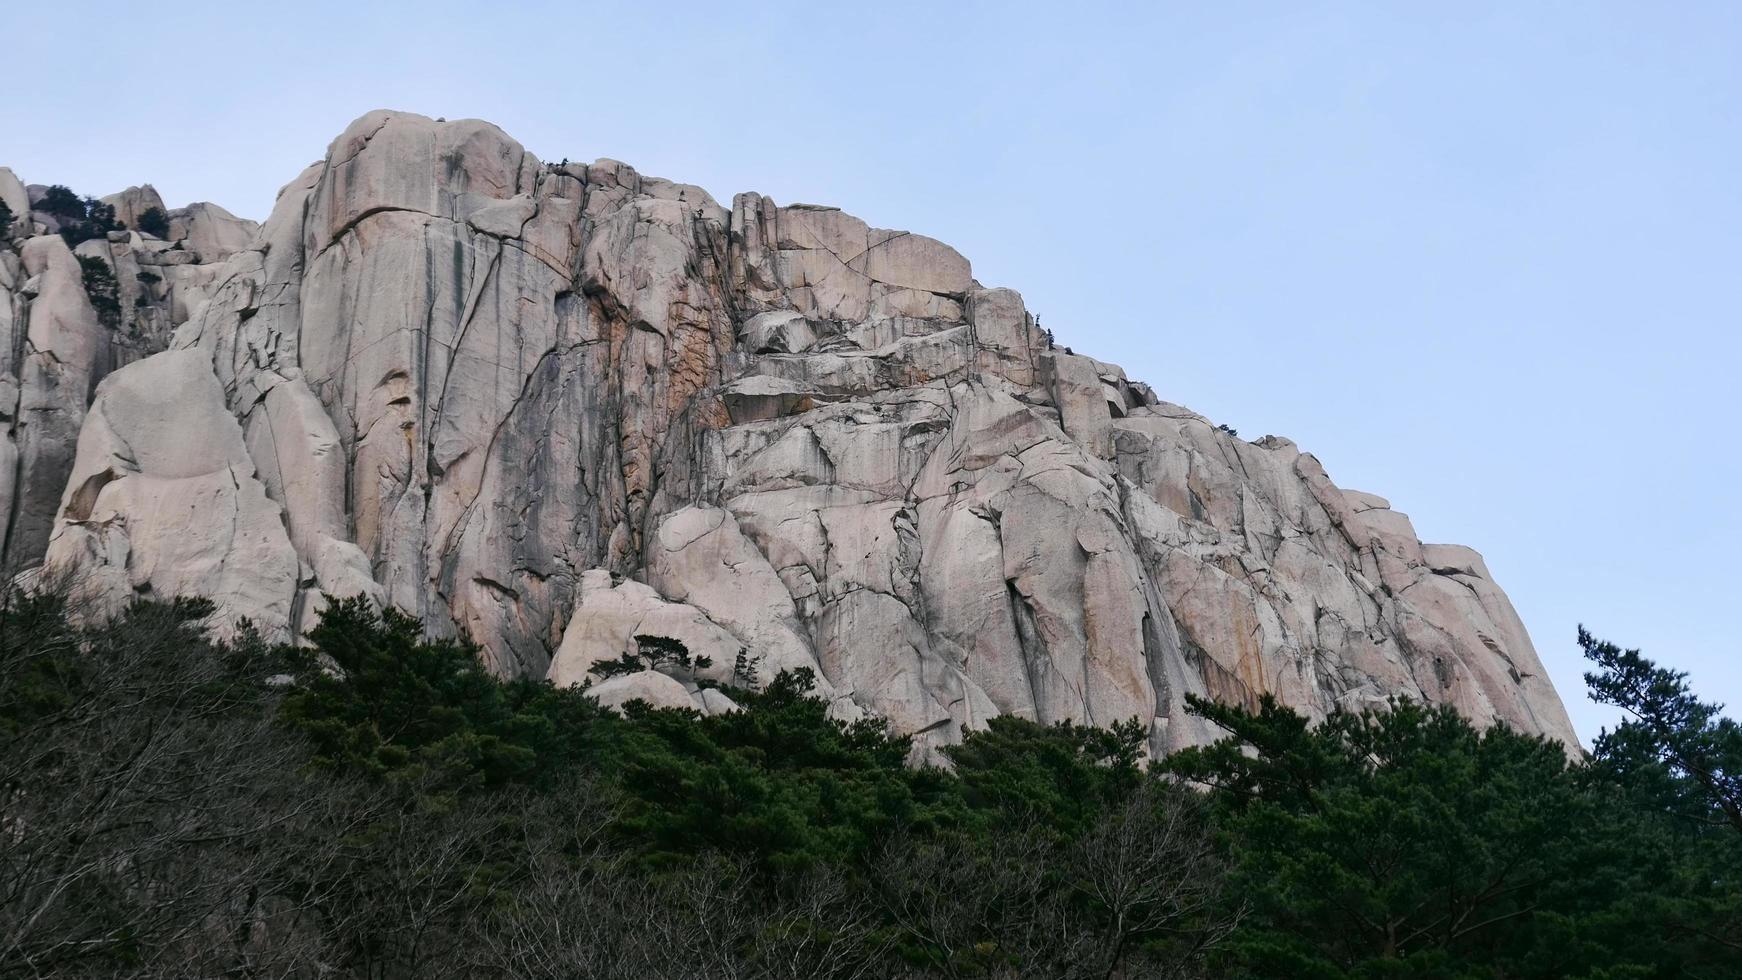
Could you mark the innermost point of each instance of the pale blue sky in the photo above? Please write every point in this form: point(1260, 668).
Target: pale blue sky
point(1482, 259)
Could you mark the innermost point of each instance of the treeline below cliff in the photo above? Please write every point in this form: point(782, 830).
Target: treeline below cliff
point(376, 805)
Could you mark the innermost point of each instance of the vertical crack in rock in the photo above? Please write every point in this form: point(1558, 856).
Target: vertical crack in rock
point(1035, 660)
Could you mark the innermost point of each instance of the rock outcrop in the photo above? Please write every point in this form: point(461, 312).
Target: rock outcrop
point(55, 344)
point(554, 407)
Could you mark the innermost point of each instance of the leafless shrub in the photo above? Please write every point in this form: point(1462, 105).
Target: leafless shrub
point(157, 820)
point(1137, 896)
point(142, 786)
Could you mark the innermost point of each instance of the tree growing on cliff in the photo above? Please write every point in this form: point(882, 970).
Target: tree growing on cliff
point(80, 219)
point(60, 202)
point(663, 653)
point(98, 222)
point(101, 289)
point(152, 221)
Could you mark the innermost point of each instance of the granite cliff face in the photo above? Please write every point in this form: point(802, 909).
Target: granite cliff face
point(55, 347)
point(553, 407)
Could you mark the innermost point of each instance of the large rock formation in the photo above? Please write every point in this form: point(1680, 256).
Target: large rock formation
point(554, 407)
point(55, 345)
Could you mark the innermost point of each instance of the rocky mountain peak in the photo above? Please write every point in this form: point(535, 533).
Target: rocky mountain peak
point(556, 407)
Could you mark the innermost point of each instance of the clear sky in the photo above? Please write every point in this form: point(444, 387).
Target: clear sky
point(1484, 260)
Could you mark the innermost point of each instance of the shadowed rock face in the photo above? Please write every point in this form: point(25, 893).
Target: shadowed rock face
point(553, 407)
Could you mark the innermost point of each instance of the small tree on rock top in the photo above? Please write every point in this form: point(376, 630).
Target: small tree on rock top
point(662, 653)
point(152, 221)
point(60, 201)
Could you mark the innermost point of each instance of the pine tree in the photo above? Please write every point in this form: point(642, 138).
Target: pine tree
point(152, 221)
point(1668, 727)
point(1405, 842)
point(102, 290)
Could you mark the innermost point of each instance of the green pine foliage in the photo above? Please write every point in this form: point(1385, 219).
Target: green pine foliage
point(101, 289)
point(60, 202)
point(375, 698)
point(1673, 772)
point(779, 783)
point(1682, 744)
point(152, 221)
point(661, 653)
point(744, 673)
point(378, 803)
point(98, 222)
point(80, 219)
point(1406, 843)
point(1063, 776)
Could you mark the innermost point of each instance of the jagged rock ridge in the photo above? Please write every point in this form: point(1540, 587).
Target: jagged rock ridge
point(552, 407)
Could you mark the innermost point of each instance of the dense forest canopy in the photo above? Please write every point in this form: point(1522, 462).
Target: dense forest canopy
point(375, 804)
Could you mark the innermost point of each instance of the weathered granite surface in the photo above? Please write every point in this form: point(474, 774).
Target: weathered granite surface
point(553, 407)
point(54, 348)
